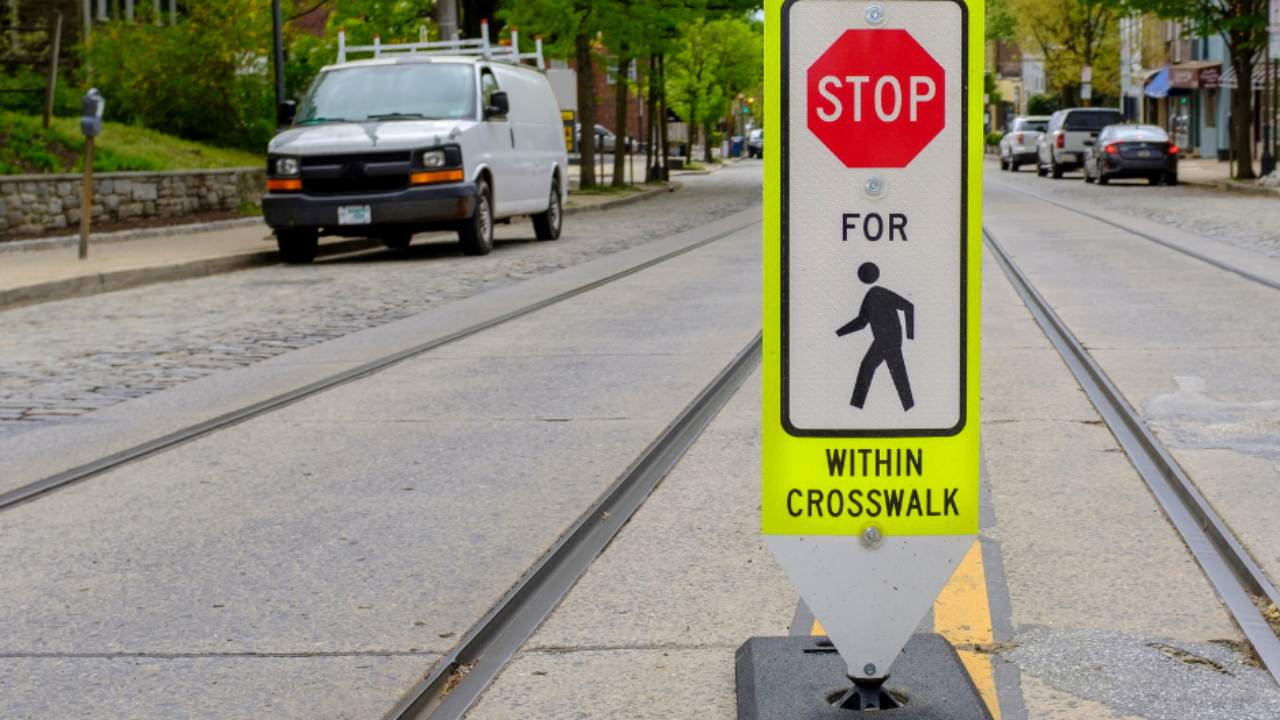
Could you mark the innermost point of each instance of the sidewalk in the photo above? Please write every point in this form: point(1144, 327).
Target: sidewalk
point(1207, 172)
point(55, 273)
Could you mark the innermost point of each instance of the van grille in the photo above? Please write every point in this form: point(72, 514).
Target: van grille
point(380, 183)
point(383, 157)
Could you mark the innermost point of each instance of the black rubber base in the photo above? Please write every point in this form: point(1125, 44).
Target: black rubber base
point(795, 678)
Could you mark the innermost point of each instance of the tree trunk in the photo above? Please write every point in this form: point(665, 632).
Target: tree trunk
point(586, 114)
point(662, 118)
point(1242, 110)
point(620, 125)
point(706, 139)
point(651, 133)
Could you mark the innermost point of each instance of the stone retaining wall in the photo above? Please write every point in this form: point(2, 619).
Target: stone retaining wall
point(33, 203)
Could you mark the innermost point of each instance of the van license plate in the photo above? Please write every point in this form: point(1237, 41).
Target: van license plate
point(354, 215)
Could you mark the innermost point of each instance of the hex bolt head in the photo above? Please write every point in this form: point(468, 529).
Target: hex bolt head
point(875, 14)
point(874, 186)
point(869, 669)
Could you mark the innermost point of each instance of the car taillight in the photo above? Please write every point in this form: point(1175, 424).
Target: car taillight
point(1062, 140)
point(1113, 149)
point(1019, 138)
point(1173, 149)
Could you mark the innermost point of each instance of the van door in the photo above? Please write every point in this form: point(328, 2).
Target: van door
point(524, 111)
point(500, 153)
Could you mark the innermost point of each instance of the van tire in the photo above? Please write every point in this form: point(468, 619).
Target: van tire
point(397, 239)
point(546, 224)
point(476, 232)
point(1055, 170)
point(298, 246)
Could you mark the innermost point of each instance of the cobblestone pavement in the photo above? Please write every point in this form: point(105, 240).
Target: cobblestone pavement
point(1247, 221)
point(67, 358)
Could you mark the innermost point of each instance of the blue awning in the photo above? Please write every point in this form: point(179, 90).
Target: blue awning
point(1159, 85)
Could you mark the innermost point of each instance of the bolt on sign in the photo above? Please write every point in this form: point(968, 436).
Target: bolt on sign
point(872, 250)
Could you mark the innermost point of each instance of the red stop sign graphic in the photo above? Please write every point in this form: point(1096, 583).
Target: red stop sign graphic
point(876, 98)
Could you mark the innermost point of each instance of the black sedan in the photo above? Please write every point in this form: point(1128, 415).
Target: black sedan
point(1131, 151)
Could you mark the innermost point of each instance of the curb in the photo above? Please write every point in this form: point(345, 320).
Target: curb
point(1233, 186)
point(136, 277)
point(83, 285)
point(66, 241)
point(671, 187)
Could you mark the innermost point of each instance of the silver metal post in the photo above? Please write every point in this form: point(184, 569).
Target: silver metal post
point(447, 19)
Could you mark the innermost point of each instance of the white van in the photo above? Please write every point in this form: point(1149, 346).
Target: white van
point(396, 145)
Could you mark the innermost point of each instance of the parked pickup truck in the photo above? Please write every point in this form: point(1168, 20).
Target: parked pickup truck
point(1061, 148)
point(391, 146)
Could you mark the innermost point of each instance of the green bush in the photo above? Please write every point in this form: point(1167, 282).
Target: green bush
point(993, 138)
point(1041, 105)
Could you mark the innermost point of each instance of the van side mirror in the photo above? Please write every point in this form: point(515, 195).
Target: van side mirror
point(498, 105)
point(286, 112)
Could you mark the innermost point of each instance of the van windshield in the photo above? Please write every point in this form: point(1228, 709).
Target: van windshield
point(1091, 120)
point(390, 92)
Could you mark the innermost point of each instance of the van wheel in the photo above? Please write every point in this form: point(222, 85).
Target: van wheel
point(476, 232)
point(1055, 170)
point(298, 246)
point(546, 225)
point(398, 239)
point(1004, 164)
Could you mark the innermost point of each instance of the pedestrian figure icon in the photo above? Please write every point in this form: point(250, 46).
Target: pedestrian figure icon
point(879, 309)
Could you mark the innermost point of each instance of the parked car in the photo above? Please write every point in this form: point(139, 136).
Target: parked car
point(1061, 147)
point(755, 143)
point(605, 140)
point(1018, 146)
point(393, 146)
point(1131, 151)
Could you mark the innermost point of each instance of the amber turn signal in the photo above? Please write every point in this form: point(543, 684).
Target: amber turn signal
point(434, 177)
point(284, 185)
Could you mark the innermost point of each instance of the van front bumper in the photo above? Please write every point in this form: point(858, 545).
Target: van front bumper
point(410, 206)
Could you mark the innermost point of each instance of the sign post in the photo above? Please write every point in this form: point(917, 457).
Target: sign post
point(871, 296)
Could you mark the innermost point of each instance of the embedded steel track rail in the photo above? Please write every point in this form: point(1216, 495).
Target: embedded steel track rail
point(159, 445)
point(460, 677)
point(1235, 576)
point(1146, 236)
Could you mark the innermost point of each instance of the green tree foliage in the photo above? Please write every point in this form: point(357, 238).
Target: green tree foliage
point(1243, 25)
point(716, 60)
point(1069, 35)
point(207, 77)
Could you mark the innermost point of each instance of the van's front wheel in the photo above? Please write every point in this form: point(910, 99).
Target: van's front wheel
point(297, 246)
point(476, 233)
point(546, 225)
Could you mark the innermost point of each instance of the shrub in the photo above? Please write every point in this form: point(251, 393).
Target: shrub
point(993, 138)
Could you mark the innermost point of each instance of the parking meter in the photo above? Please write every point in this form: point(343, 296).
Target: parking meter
point(91, 106)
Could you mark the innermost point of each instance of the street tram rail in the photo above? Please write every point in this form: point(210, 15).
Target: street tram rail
point(1268, 282)
point(1235, 576)
point(53, 483)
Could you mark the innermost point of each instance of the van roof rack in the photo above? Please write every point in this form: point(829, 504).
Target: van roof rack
point(479, 47)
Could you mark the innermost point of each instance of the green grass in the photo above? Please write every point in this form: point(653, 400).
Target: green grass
point(26, 147)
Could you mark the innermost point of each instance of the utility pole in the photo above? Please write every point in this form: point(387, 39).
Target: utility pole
point(447, 19)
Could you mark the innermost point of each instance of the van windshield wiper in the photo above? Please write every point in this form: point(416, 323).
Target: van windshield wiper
point(409, 116)
point(314, 121)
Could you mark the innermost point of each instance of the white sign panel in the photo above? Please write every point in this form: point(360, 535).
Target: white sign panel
point(874, 221)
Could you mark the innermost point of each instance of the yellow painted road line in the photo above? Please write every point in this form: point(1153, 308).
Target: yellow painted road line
point(962, 615)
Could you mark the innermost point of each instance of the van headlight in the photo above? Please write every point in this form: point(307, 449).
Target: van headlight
point(434, 159)
point(286, 166)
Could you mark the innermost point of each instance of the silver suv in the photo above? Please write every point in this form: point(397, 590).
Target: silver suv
point(1061, 148)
